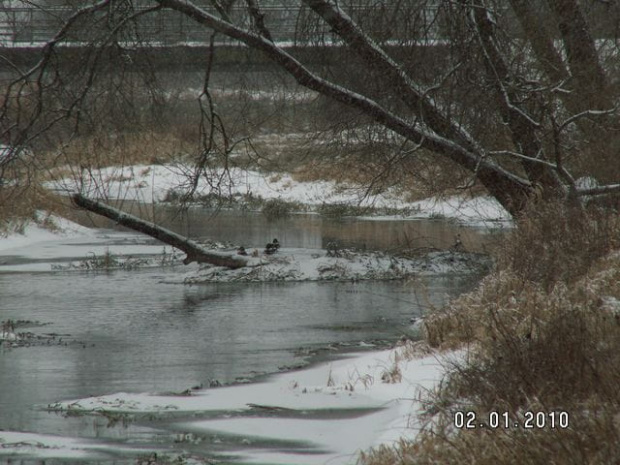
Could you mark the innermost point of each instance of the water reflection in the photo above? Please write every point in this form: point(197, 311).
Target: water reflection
point(253, 229)
point(136, 333)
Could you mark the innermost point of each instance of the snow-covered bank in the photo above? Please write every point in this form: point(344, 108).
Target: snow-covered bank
point(68, 245)
point(155, 183)
point(324, 414)
point(316, 265)
point(48, 447)
point(45, 228)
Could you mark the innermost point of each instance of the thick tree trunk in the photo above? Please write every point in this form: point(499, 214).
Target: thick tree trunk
point(522, 126)
point(195, 252)
point(587, 72)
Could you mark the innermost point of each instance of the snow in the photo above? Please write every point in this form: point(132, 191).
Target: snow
point(315, 265)
point(47, 447)
point(45, 250)
point(73, 247)
point(6, 335)
point(151, 183)
point(384, 386)
point(35, 233)
point(70, 246)
point(477, 211)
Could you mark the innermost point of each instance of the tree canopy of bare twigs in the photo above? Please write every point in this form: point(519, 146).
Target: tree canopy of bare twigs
point(521, 96)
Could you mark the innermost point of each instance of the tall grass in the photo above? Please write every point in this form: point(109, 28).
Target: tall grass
point(543, 333)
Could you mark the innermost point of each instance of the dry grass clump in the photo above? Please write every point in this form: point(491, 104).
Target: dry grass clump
point(544, 336)
point(19, 206)
point(128, 148)
point(595, 439)
point(554, 242)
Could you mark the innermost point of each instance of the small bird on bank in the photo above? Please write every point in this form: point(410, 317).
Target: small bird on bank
point(241, 251)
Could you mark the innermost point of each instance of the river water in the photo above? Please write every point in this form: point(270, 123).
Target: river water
point(133, 331)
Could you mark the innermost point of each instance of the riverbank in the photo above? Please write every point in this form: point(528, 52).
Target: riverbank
point(251, 189)
point(543, 337)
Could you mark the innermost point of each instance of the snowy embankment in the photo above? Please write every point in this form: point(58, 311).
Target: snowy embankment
point(43, 229)
point(155, 183)
point(71, 247)
point(47, 447)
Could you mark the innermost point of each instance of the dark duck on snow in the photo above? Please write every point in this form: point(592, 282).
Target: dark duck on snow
point(272, 247)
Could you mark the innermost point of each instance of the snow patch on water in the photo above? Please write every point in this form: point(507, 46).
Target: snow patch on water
point(276, 419)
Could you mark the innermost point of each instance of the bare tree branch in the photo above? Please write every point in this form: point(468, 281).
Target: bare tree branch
point(600, 190)
point(195, 252)
point(522, 126)
point(507, 187)
point(584, 114)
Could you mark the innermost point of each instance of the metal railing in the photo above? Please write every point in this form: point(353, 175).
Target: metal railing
point(22, 27)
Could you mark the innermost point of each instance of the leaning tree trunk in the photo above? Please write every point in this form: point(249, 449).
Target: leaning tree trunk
point(194, 251)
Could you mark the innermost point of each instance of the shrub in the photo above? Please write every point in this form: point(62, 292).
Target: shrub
point(275, 209)
point(340, 210)
point(554, 242)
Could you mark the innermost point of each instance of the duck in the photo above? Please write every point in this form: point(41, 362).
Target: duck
point(241, 251)
point(458, 244)
point(272, 247)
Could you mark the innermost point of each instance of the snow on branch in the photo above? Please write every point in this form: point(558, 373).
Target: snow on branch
point(599, 190)
point(585, 114)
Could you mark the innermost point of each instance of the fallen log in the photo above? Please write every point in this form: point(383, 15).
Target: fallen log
point(194, 251)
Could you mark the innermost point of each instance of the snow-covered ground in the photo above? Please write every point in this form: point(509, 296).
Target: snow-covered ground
point(72, 246)
point(49, 447)
point(315, 265)
point(152, 183)
point(35, 233)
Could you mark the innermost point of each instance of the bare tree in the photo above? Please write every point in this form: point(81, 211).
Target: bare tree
point(519, 95)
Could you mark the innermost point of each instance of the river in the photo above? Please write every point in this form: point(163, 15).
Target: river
point(133, 331)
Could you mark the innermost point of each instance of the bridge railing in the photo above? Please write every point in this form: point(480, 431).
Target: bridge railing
point(288, 22)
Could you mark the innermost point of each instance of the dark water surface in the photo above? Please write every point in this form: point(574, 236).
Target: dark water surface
point(133, 332)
